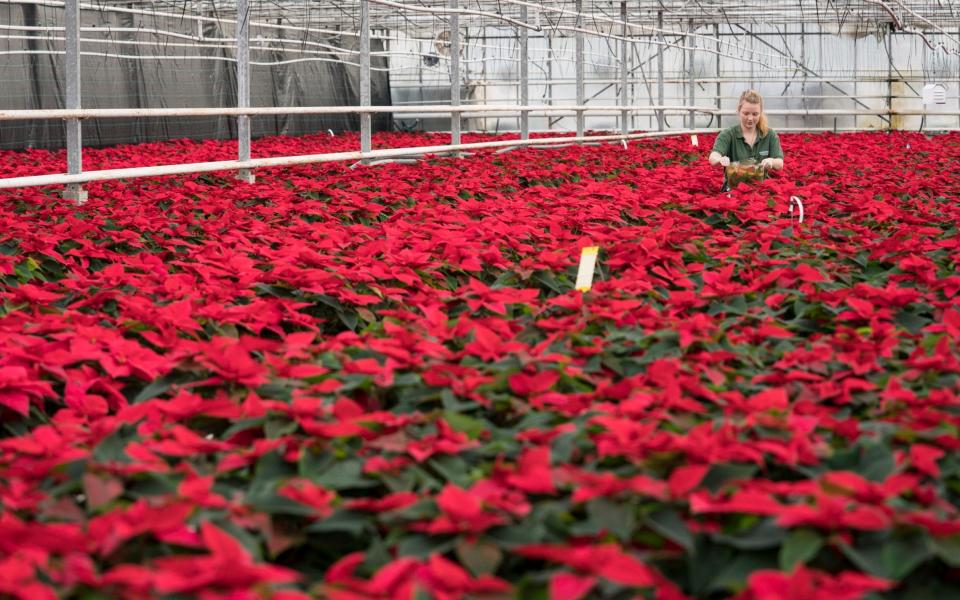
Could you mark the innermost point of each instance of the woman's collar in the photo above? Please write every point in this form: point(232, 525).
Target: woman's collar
point(756, 130)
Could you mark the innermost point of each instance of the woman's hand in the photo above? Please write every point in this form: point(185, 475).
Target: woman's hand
point(718, 159)
point(771, 163)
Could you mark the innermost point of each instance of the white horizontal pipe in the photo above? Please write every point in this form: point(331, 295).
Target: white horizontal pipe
point(457, 11)
point(195, 41)
point(119, 113)
point(180, 16)
point(779, 130)
point(478, 109)
point(163, 170)
point(281, 161)
point(827, 112)
point(187, 57)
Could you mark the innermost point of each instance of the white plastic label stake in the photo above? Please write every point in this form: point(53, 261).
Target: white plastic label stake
point(694, 140)
point(796, 199)
point(588, 261)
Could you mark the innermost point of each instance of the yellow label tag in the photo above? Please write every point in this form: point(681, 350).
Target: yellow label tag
point(588, 261)
point(694, 141)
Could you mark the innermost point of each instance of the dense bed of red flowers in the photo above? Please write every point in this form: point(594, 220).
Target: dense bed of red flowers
point(378, 382)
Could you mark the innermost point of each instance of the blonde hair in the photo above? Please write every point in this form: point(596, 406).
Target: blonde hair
point(754, 97)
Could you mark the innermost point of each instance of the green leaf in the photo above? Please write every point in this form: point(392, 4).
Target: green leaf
point(452, 404)
point(151, 484)
point(527, 531)
point(422, 546)
point(154, 389)
point(800, 547)
point(343, 521)
point(719, 568)
point(947, 549)
point(312, 464)
point(561, 449)
point(265, 499)
point(720, 474)
point(894, 558)
point(468, 425)
point(349, 319)
point(615, 518)
point(549, 281)
point(876, 461)
point(406, 379)
point(271, 467)
point(671, 525)
point(377, 555)
point(764, 535)
point(276, 428)
point(532, 589)
point(242, 425)
point(419, 511)
point(453, 468)
point(113, 447)
point(345, 474)
point(732, 576)
point(274, 290)
point(248, 541)
point(911, 321)
point(276, 390)
point(480, 556)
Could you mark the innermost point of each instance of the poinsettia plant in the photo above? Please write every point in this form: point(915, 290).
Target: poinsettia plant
point(379, 382)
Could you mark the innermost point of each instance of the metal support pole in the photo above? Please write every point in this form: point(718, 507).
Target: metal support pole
point(455, 72)
point(243, 87)
point(803, 84)
point(624, 70)
point(524, 76)
point(660, 69)
point(366, 122)
point(581, 91)
point(890, 75)
point(691, 92)
point(856, 92)
point(73, 191)
point(716, 33)
point(549, 77)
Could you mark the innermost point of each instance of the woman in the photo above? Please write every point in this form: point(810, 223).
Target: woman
point(751, 139)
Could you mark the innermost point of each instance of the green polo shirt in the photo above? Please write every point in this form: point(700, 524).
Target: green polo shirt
point(730, 143)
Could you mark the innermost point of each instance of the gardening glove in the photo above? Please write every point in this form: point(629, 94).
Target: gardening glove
point(724, 161)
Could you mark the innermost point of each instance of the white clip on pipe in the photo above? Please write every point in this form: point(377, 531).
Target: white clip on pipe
point(799, 205)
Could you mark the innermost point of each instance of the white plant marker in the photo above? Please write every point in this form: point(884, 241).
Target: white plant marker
point(796, 199)
point(588, 262)
point(331, 133)
point(694, 140)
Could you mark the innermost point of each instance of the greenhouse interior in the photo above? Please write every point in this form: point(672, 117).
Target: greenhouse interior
point(480, 299)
